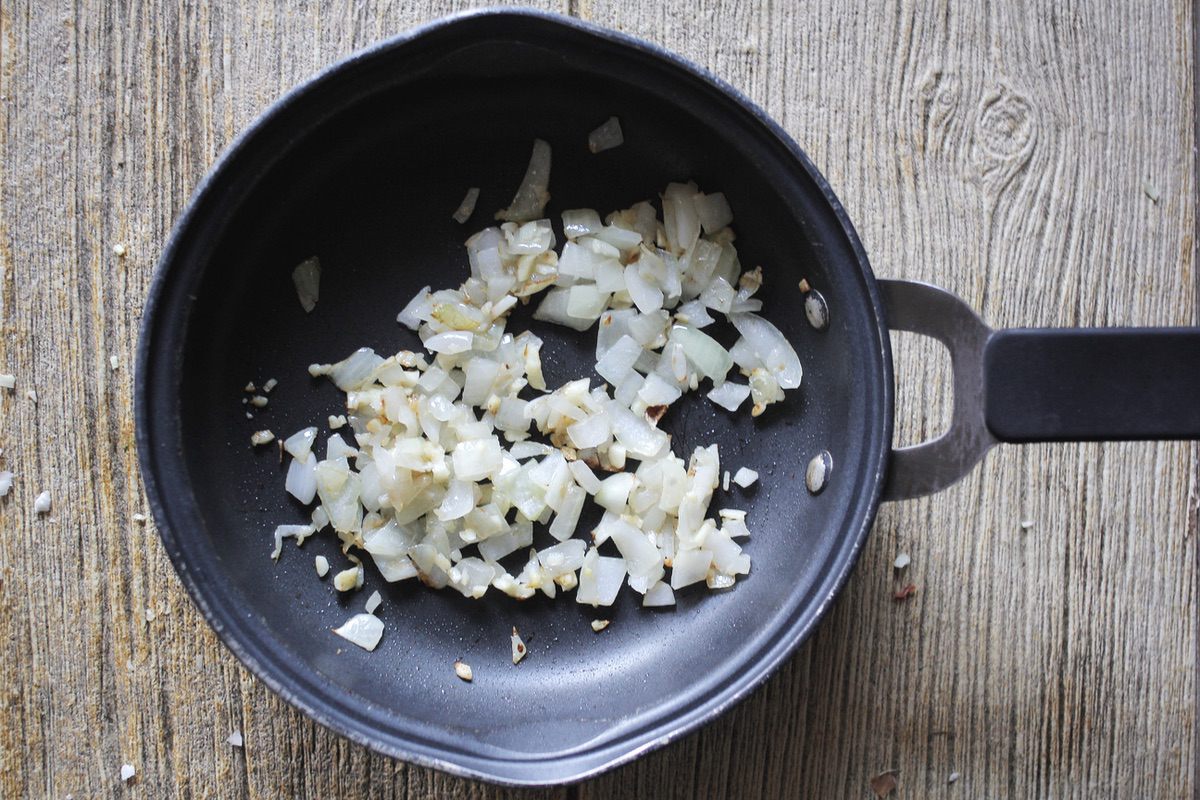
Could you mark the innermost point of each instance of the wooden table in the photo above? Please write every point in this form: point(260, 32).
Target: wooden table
point(1038, 161)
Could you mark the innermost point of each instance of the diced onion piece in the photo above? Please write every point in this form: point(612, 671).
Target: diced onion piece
point(519, 650)
point(713, 210)
point(607, 136)
point(616, 363)
point(299, 532)
point(771, 347)
point(659, 595)
point(704, 352)
point(580, 222)
point(533, 193)
point(364, 630)
point(467, 207)
point(688, 567)
point(41, 503)
point(419, 308)
point(355, 370)
point(373, 602)
point(730, 395)
point(477, 459)
point(6, 482)
point(259, 438)
point(553, 308)
point(321, 564)
point(600, 579)
point(591, 432)
point(450, 342)
point(614, 491)
point(301, 480)
point(347, 579)
point(745, 477)
point(307, 277)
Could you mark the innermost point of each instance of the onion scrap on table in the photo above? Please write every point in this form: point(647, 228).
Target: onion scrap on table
point(445, 477)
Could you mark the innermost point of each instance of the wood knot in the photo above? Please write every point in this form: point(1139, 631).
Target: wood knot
point(1006, 130)
point(1006, 126)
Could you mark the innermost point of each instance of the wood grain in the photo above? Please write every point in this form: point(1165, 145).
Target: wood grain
point(1005, 151)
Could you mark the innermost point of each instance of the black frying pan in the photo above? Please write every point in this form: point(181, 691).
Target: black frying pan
point(363, 165)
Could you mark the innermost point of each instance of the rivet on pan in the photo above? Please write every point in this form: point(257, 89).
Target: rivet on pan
point(816, 309)
point(818, 472)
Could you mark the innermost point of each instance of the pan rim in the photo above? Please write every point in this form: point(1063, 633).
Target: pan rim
point(556, 768)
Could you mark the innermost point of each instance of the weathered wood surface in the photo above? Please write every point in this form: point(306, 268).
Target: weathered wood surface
point(1006, 151)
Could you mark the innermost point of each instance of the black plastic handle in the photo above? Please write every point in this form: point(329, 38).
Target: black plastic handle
point(1092, 384)
point(1035, 385)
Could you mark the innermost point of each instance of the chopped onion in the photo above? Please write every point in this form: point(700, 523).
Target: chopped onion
point(6, 482)
point(745, 477)
point(659, 595)
point(730, 395)
point(771, 348)
point(533, 193)
point(321, 564)
point(307, 277)
point(41, 503)
point(580, 222)
point(688, 567)
point(373, 602)
point(519, 650)
point(364, 630)
point(467, 207)
point(426, 476)
point(606, 137)
point(710, 359)
point(713, 210)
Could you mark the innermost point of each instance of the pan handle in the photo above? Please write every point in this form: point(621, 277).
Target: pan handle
point(932, 311)
point(1035, 385)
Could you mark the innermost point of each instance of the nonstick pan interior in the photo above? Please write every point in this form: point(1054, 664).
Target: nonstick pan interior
point(363, 168)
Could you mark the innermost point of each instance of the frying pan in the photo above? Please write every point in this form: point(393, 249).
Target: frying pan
point(362, 165)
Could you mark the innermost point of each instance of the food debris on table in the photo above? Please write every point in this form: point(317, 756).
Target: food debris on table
point(32, 395)
point(1151, 191)
point(322, 565)
point(884, 783)
point(1026, 524)
point(599, 624)
point(258, 401)
point(463, 670)
point(7, 381)
point(519, 650)
point(127, 772)
point(954, 776)
point(269, 385)
point(235, 739)
point(902, 561)
point(114, 363)
point(41, 504)
point(903, 594)
point(139, 518)
point(6, 482)
point(120, 250)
